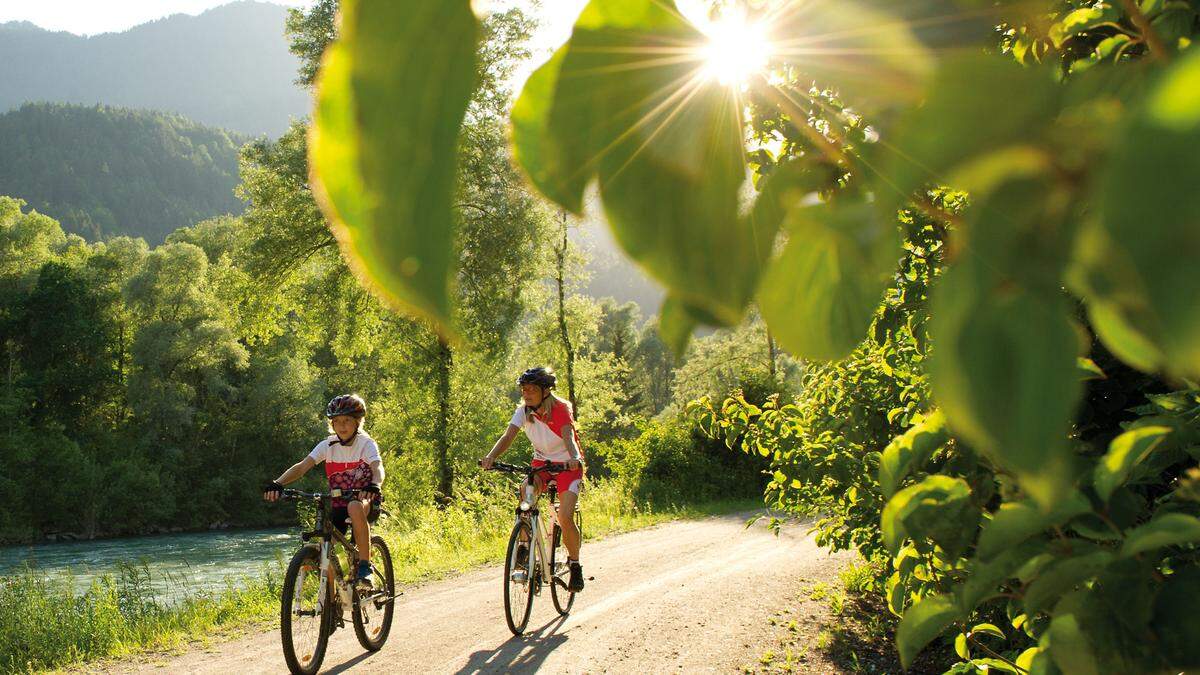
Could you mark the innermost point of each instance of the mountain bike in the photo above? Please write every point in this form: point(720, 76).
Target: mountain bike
point(316, 591)
point(522, 581)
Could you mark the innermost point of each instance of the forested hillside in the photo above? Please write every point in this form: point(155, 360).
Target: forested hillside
point(228, 67)
point(105, 171)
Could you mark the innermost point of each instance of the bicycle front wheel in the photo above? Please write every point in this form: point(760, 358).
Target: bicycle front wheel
point(373, 608)
point(304, 626)
point(518, 579)
point(563, 599)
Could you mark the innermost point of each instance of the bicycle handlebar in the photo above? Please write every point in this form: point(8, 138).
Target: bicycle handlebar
point(289, 493)
point(550, 467)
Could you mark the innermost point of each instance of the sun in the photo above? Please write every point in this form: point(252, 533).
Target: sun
point(736, 50)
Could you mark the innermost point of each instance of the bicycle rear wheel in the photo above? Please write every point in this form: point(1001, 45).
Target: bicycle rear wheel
point(518, 593)
point(373, 608)
point(304, 627)
point(563, 599)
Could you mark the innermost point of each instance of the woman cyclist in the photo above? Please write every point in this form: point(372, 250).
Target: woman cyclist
point(550, 425)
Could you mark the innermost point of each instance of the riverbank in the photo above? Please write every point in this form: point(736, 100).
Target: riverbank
point(45, 623)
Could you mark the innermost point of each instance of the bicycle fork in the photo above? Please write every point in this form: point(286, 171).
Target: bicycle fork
point(327, 575)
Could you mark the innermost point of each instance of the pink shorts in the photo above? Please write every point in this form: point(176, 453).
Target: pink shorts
point(563, 481)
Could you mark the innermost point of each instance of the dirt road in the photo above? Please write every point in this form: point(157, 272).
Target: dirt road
point(684, 597)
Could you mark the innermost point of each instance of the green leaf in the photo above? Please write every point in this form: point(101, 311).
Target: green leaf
point(937, 509)
point(896, 594)
point(1125, 452)
point(1141, 270)
point(1015, 522)
point(383, 146)
point(910, 451)
point(1088, 370)
point(922, 623)
point(982, 578)
point(1025, 660)
point(987, 629)
point(821, 293)
point(675, 325)
point(1168, 529)
point(958, 122)
point(664, 143)
point(868, 54)
point(1008, 390)
point(1061, 576)
point(1176, 622)
point(1067, 637)
point(960, 647)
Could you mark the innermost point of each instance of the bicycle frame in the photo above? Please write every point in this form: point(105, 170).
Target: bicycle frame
point(327, 561)
point(529, 511)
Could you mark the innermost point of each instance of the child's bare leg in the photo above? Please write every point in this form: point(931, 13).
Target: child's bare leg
point(362, 529)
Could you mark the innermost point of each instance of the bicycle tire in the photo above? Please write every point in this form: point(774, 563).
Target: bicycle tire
point(563, 606)
point(309, 661)
point(373, 637)
point(517, 607)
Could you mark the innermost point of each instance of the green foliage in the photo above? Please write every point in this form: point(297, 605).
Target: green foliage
point(394, 219)
point(106, 171)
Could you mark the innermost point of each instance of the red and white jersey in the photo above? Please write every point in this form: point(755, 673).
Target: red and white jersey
point(546, 433)
point(347, 466)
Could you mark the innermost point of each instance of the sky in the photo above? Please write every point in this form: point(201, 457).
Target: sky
point(92, 17)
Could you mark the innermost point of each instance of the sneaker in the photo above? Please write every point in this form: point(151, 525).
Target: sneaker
point(362, 576)
point(519, 576)
point(576, 582)
point(522, 554)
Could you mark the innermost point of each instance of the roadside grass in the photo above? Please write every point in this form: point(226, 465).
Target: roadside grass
point(46, 624)
point(840, 625)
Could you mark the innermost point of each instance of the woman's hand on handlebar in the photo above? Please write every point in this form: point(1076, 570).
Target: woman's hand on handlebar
point(486, 462)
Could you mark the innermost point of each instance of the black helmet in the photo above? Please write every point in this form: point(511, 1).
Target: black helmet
point(542, 377)
point(346, 404)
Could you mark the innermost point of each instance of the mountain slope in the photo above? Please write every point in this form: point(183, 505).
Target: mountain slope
point(105, 171)
point(228, 67)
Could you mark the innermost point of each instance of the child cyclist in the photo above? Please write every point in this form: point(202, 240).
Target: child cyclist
point(548, 422)
point(352, 462)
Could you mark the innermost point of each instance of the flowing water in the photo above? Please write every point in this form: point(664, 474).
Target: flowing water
point(176, 563)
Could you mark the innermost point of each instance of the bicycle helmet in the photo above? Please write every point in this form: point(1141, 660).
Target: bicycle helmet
point(541, 376)
point(346, 404)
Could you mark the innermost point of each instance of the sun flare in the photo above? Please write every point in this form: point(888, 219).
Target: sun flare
point(736, 50)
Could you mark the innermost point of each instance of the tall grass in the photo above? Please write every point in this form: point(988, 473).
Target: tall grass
point(45, 623)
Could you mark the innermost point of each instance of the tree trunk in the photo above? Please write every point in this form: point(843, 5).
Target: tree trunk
point(771, 354)
point(561, 258)
point(442, 429)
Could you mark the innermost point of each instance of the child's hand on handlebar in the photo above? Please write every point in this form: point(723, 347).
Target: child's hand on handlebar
point(272, 491)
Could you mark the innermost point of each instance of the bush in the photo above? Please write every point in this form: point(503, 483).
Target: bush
point(670, 463)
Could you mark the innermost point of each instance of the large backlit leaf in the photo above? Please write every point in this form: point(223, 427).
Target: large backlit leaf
point(1009, 390)
point(1015, 522)
point(1169, 529)
point(1143, 262)
point(626, 102)
point(910, 450)
point(937, 510)
point(820, 294)
point(958, 121)
point(922, 623)
point(390, 99)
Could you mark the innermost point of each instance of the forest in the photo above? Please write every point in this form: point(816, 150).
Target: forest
point(103, 172)
point(947, 250)
point(164, 383)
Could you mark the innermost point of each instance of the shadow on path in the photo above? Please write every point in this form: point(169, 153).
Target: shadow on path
point(518, 654)
point(350, 663)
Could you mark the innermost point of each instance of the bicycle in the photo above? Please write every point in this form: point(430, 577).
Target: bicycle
point(523, 582)
point(315, 591)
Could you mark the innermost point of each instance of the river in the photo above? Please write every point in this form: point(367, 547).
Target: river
point(177, 563)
